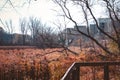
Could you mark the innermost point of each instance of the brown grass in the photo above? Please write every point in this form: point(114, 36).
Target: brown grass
point(52, 62)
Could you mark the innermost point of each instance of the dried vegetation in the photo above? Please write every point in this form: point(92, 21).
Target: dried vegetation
point(49, 64)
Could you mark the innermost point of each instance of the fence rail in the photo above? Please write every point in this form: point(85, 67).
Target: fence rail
point(73, 73)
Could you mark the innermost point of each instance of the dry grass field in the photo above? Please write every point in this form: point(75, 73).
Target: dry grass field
point(47, 64)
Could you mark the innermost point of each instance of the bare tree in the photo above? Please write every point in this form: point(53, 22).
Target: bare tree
point(34, 25)
point(24, 29)
point(43, 36)
point(48, 37)
point(86, 6)
point(113, 11)
point(9, 26)
point(10, 29)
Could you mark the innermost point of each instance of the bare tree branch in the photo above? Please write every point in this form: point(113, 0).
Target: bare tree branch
point(67, 13)
point(4, 5)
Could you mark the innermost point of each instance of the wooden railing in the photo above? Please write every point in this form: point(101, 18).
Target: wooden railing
point(73, 73)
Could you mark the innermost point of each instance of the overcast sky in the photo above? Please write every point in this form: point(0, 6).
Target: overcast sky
point(40, 8)
point(44, 9)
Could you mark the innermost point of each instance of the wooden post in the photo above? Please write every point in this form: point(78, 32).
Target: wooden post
point(106, 72)
point(76, 73)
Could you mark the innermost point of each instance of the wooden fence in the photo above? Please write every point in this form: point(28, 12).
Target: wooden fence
point(73, 73)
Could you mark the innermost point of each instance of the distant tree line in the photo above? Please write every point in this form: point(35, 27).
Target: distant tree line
point(13, 39)
point(40, 34)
